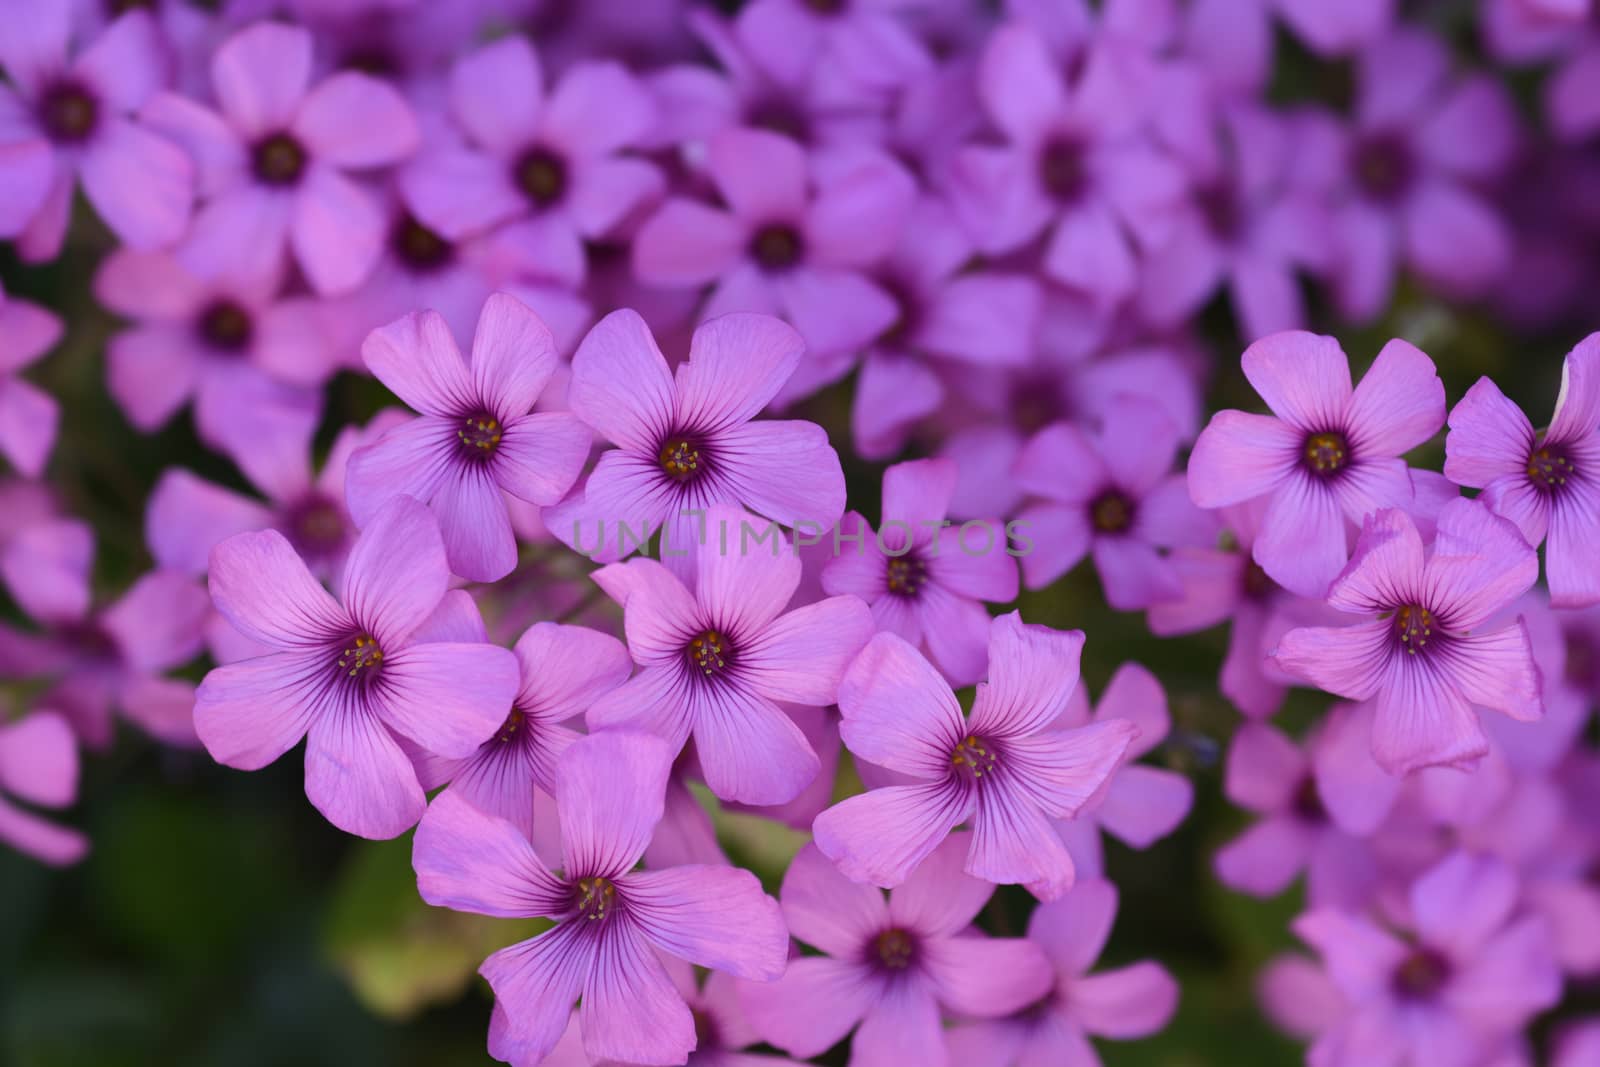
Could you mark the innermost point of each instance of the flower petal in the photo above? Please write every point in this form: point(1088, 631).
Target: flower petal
point(715, 917)
point(609, 791)
point(470, 861)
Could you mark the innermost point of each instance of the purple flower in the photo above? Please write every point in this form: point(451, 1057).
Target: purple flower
point(1330, 454)
point(610, 919)
point(1234, 40)
point(28, 415)
point(1422, 652)
point(1315, 807)
point(272, 165)
point(1076, 162)
point(99, 657)
point(890, 969)
point(546, 171)
point(795, 238)
point(1128, 1002)
point(1546, 484)
point(1112, 495)
point(345, 673)
point(714, 661)
point(475, 438)
point(62, 117)
point(39, 765)
point(1143, 803)
point(925, 581)
point(866, 42)
point(688, 443)
point(1472, 975)
point(564, 670)
point(1006, 770)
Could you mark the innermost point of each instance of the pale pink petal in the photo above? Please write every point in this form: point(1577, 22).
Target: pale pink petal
point(1239, 457)
point(496, 94)
point(469, 861)
point(355, 121)
point(1348, 661)
point(687, 243)
point(620, 385)
point(609, 791)
point(1265, 859)
point(750, 751)
point(395, 575)
point(813, 1006)
point(1303, 377)
point(787, 471)
point(260, 75)
point(714, 917)
point(261, 586)
point(1398, 405)
point(336, 230)
point(829, 912)
point(880, 836)
point(898, 712)
point(141, 184)
point(358, 776)
point(737, 363)
point(760, 174)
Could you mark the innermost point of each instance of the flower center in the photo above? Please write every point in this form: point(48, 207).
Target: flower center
point(907, 317)
point(1413, 624)
point(895, 948)
point(479, 435)
point(680, 458)
point(827, 7)
point(375, 58)
point(974, 758)
point(316, 526)
point(595, 897)
point(710, 652)
point(361, 659)
point(1220, 208)
point(1549, 467)
point(776, 247)
point(1421, 975)
point(1062, 170)
point(1034, 403)
point(906, 576)
point(1382, 166)
point(1111, 512)
point(542, 176)
point(278, 159)
point(1326, 454)
point(225, 326)
point(418, 247)
point(512, 725)
point(68, 112)
point(1307, 802)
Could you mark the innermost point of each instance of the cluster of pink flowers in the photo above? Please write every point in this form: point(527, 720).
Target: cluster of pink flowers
point(598, 259)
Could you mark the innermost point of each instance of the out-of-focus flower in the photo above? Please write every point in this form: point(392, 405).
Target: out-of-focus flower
point(39, 765)
point(28, 415)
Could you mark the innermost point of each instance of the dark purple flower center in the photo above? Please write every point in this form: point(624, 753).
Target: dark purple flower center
point(710, 652)
point(1034, 403)
point(225, 326)
point(360, 660)
point(1112, 512)
point(906, 575)
point(1326, 454)
point(316, 526)
point(780, 114)
point(421, 249)
point(1307, 802)
point(776, 247)
point(91, 640)
point(1414, 626)
point(68, 112)
point(1063, 171)
point(894, 949)
point(908, 312)
point(511, 727)
point(278, 159)
point(595, 898)
point(375, 58)
point(1383, 166)
point(479, 435)
point(682, 457)
point(1420, 975)
point(122, 7)
point(973, 758)
point(1220, 208)
point(1549, 468)
point(541, 175)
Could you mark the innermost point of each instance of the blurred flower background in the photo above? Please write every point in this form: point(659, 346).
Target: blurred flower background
point(1028, 238)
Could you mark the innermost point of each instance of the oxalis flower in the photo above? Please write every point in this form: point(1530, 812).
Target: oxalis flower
point(1419, 653)
point(1326, 453)
point(610, 919)
point(1547, 484)
point(1004, 769)
point(890, 968)
point(475, 438)
point(688, 442)
point(344, 673)
point(714, 662)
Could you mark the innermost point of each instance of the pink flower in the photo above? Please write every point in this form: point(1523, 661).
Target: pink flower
point(273, 164)
point(1006, 769)
point(1128, 1002)
point(28, 415)
point(545, 171)
point(1473, 975)
point(890, 969)
point(1112, 495)
point(477, 435)
point(925, 579)
point(1327, 454)
point(1546, 484)
point(65, 117)
point(1422, 652)
point(39, 765)
point(1234, 38)
point(867, 42)
point(715, 662)
point(688, 442)
point(349, 675)
point(610, 919)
